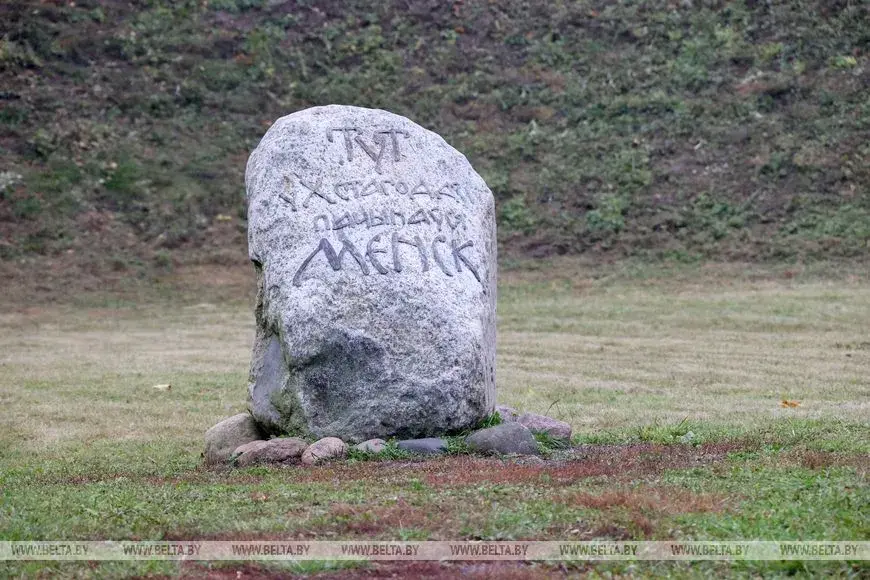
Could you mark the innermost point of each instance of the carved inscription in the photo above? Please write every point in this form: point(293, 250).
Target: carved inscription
point(315, 191)
point(401, 247)
point(287, 195)
point(443, 252)
point(373, 218)
point(382, 142)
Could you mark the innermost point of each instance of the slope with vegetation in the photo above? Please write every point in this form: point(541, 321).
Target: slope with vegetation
point(661, 129)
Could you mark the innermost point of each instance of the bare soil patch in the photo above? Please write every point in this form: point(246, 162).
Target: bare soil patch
point(417, 570)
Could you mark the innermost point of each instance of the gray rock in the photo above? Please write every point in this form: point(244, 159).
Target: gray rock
point(275, 451)
point(426, 446)
point(324, 449)
point(371, 446)
point(505, 439)
point(507, 414)
point(247, 447)
point(223, 439)
point(374, 246)
point(543, 424)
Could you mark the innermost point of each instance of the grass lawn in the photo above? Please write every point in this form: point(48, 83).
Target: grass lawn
point(673, 382)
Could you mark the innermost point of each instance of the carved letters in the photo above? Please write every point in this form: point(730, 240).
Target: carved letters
point(382, 140)
point(387, 217)
point(377, 245)
point(315, 191)
point(387, 252)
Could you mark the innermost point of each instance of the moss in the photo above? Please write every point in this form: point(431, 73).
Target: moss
point(292, 422)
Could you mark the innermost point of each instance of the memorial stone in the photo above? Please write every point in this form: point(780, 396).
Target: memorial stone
point(374, 246)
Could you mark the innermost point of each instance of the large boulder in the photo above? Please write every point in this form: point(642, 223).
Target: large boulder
point(225, 437)
point(374, 246)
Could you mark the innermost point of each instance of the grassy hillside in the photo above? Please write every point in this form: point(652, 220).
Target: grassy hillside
point(682, 129)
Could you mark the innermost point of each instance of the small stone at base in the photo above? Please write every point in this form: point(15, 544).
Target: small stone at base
point(274, 451)
point(323, 449)
point(504, 439)
point(428, 445)
point(371, 446)
point(543, 424)
point(507, 414)
point(252, 446)
point(223, 439)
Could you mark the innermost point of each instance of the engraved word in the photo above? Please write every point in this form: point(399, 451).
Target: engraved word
point(315, 190)
point(389, 217)
point(383, 140)
point(443, 254)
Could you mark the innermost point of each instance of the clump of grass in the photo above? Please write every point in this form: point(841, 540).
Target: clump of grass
point(456, 445)
point(547, 444)
point(489, 421)
point(390, 452)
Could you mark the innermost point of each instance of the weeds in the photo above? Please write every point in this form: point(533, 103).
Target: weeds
point(390, 452)
point(547, 444)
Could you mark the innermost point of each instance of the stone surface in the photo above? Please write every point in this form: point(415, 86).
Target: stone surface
point(323, 449)
point(247, 447)
point(507, 414)
point(371, 446)
point(505, 439)
point(427, 445)
point(374, 246)
point(282, 450)
point(543, 424)
point(223, 439)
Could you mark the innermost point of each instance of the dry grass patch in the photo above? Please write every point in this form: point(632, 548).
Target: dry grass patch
point(370, 520)
point(613, 461)
point(617, 461)
point(673, 387)
point(601, 356)
point(659, 500)
point(727, 353)
point(824, 460)
point(374, 570)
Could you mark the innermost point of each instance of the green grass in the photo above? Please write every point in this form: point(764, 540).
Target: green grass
point(673, 387)
point(391, 451)
point(648, 129)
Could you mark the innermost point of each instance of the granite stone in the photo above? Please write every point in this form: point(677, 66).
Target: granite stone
point(374, 247)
